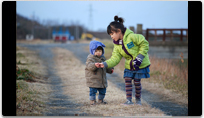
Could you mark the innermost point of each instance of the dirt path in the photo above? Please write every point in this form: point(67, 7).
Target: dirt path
point(155, 100)
point(59, 102)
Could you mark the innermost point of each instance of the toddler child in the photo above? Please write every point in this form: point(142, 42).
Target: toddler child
point(95, 75)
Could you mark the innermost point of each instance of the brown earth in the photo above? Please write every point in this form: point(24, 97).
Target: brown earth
point(71, 72)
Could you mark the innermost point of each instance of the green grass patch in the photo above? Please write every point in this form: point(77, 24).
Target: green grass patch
point(24, 74)
point(18, 55)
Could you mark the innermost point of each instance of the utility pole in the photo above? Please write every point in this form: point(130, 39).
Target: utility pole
point(33, 23)
point(77, 30)
point(90, 18)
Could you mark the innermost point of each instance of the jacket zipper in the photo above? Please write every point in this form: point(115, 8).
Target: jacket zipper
point(102, 77)
point(123, 47)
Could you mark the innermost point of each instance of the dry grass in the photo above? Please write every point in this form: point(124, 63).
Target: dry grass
point(48, 41)
point(170, 77)
point(31, 97)
point(72, 73)
point(35, 41)
point(30, 60)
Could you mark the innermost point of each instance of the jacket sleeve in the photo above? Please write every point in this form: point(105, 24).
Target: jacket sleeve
point(90, 64)
point(108, 70)
point(140, 41)
point(115, 58)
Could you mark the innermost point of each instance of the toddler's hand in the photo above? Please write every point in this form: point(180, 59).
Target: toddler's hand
point(97, 65)
point(101, 65)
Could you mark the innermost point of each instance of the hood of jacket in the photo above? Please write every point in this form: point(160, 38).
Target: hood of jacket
point(94, 45)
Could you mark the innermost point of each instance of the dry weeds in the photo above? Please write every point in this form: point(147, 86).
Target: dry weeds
point(72, 73)
point(31, 97)
point(35, 41)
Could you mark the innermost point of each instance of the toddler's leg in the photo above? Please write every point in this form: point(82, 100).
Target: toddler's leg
point(92, 95)
point(101, 96)
point(138, 89)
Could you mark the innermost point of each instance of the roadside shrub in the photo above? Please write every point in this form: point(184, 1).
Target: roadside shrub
point(24, 74)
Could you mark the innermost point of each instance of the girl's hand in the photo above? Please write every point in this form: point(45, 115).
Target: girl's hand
point(137, 61)
point(101, 65)
point(112, 71)
point(97, 65)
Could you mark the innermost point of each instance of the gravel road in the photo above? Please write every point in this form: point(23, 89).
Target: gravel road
point(61, 101)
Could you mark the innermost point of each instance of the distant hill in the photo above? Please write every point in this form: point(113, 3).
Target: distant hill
point(24, 26)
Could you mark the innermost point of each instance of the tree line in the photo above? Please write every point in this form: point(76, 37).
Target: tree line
point(44, 30)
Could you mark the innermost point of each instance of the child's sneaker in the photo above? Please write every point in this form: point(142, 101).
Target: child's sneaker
point(101, 102)
point(93, 102)
point(128, 102)
point(138, 102)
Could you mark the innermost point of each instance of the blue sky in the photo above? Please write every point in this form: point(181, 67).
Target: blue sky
point(152, 14)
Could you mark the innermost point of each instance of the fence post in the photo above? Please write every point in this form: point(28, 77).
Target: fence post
point(139, 28)
point(171, 35)
point(147, 32)
point(187, 35)
point(132, 28)
point(155, 34)
point(164, 34)
point(181, 36)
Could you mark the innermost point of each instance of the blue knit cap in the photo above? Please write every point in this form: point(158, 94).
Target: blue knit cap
point(94, 45)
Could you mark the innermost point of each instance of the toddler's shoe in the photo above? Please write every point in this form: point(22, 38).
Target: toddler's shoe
point(101, 101)
point(128, 102)
point(138, 102)
point(92, 102)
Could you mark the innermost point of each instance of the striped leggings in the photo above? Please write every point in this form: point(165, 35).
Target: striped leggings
point(128, 88)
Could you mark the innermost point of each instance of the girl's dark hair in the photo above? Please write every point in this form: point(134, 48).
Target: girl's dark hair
point(115, 25)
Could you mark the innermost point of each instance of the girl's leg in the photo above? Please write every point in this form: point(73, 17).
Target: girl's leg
point(128, 88)
point(138, 88)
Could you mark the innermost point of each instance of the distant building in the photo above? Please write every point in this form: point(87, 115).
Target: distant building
point(61, 35)
point(29, 37)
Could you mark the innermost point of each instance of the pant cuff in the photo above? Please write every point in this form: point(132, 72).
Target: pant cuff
point(92, 97)
point(101, 97)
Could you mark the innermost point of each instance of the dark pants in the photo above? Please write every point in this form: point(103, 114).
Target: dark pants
point(93, 91)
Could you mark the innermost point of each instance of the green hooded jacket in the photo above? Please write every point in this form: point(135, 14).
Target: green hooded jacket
point(134, 44)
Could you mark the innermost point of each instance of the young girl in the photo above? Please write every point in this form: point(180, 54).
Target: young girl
point(134, 48)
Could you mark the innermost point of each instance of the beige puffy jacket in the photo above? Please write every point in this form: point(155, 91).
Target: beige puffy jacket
point(96, 77)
